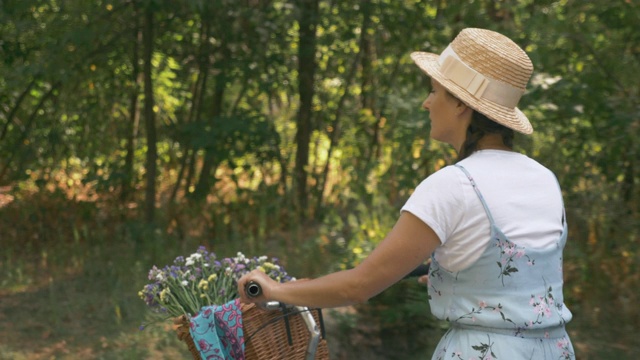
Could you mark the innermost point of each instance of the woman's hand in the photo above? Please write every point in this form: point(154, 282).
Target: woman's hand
point(424, 280)
point(265, 282)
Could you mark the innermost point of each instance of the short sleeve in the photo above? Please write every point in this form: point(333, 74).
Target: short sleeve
point(439, 202)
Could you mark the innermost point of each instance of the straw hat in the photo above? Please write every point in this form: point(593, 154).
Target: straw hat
point(485, 70)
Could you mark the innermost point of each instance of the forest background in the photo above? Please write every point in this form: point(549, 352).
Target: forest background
point(133, 131)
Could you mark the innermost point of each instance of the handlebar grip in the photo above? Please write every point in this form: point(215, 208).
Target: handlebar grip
point(253, 289)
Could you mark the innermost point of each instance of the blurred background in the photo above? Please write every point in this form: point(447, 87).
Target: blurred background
point(133, 131)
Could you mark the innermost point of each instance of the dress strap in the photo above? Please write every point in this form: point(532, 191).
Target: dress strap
point(564, 213)
point(475, 188)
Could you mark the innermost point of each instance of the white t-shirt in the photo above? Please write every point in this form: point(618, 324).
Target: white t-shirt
point(523, 196)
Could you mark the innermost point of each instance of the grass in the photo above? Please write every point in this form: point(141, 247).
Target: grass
point(80, 301)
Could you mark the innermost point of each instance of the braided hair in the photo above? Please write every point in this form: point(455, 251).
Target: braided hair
point(479, 126)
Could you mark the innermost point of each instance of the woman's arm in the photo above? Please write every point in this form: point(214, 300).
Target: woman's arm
point(406, 246)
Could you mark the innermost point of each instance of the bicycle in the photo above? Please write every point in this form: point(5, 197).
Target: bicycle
point(302, 327)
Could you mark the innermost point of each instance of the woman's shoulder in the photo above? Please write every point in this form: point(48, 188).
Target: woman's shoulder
point(445, 180)
point(439, 195)
point(446, 174)
point(496, 159)
point(508, 171)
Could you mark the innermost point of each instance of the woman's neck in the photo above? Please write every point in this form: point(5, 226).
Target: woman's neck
point(492, 142)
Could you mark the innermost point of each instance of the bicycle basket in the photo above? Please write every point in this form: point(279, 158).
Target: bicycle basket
point(272, 334)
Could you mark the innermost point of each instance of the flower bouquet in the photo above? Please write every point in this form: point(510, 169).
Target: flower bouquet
point(199, 293)
point(201, 280)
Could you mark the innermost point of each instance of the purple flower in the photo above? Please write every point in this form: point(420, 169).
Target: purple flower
point(153, 273)
point(202, 251)
point(173, 272)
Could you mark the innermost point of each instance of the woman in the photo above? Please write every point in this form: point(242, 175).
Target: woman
point(493, 223)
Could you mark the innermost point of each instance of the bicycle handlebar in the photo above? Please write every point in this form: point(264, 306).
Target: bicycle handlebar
point(253, 289)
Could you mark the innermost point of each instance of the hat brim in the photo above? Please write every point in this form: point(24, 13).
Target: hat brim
point(512, 118)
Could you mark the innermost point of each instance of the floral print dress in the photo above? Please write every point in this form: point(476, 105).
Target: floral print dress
point(507, 305)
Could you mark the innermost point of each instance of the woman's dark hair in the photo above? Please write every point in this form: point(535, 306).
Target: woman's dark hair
point(479, 126)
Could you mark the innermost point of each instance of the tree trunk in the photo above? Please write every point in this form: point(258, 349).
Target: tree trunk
point(367, 58)
point(210, 160)
point(199, 92)
point(150, 122)
point(377, 138)
point(306, 70)
point(203, 186)
point(15, 108)
point(134, 115)
point(27, 128)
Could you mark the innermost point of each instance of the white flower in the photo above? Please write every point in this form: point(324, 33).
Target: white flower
point(192, 259)
point(159, 277)
point(184, 283)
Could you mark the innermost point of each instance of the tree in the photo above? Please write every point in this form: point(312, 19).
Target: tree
point(308, 21)
point(149, 116)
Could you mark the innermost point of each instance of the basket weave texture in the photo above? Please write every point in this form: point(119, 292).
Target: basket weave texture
point(268, 335)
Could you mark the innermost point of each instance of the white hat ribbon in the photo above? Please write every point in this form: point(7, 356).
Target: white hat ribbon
point(475, 83)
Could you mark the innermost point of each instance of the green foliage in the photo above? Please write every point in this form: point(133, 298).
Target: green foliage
point(231, 137)
point(393, 323)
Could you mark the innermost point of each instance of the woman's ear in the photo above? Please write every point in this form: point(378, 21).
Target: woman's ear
point(461, 108)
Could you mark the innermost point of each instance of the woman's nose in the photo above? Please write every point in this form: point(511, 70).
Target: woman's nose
point(426, 102)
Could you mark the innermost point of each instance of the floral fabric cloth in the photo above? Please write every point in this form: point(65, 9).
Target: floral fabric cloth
point(507, 305)
point(217, 331)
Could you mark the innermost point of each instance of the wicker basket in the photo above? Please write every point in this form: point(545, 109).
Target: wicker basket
point(266, 335)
